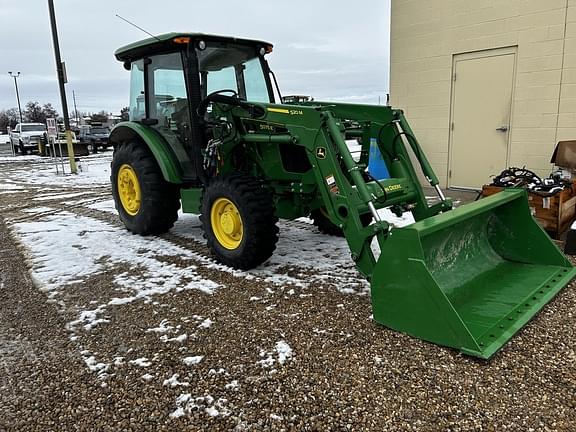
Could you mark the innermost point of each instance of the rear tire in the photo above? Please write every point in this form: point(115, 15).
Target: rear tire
point(238, 220)
point(146, 203)
point(325, 225)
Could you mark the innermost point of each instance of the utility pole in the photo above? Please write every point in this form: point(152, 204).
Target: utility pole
point(61, 81)
point(16, 75)
point(75, 108)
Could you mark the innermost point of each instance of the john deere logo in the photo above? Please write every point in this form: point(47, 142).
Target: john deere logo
point(321, 153)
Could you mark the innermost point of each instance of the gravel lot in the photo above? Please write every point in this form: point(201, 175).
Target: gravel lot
point(102, 330)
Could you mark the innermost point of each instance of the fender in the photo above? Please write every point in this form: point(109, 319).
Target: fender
point(129, 131)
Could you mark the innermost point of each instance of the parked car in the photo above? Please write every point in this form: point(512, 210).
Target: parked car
point(96, 137)
point(25, 137)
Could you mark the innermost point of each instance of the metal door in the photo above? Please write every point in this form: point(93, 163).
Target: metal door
point(482, 92)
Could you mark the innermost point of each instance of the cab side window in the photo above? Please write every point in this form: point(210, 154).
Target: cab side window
point(167, 96)
point(137, 103)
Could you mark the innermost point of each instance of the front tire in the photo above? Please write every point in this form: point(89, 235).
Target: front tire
point(146, 203)
point(238, 220)
point(23, 150)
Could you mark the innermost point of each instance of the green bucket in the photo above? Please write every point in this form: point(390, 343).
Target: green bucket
point(469, 278)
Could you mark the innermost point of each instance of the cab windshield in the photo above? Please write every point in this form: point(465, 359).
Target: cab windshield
point(233, 67)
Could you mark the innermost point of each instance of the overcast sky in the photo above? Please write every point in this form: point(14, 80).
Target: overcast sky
point(335, 49)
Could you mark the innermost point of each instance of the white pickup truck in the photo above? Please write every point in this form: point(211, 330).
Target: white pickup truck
point(26, 136)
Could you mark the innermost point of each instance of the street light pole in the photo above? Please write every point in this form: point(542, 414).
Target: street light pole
point(61, 82)
point(16, 75)
point(75, 108)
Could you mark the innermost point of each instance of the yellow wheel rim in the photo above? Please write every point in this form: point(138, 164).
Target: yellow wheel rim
point(226, 223)
point(129, 190)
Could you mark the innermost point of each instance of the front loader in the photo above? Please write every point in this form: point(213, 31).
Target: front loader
point(208, 132)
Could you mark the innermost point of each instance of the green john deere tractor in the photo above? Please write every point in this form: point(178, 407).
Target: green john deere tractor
point(208, 131)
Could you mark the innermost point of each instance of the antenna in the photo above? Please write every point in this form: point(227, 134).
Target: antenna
point(139, 28)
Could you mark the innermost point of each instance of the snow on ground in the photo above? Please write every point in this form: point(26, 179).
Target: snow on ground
point(398, 221)
point(281, 354)
point(318, 257)
point(297, 247)
point(105, 205)
point(48, 197)
point(284, 351)
point(163, 327)
point(9, 186)
point(192, 360)
point(147, 377)
point(94, 247)
point(20, 158)
point(325, 256)
point(12, 191)
point(142, 362)
point(173, 381)
point(186, 403)
point(141, 270)
point(93, 364)
point(37, 210)
point(42, 171)
point(4, 138)
point(89, 241)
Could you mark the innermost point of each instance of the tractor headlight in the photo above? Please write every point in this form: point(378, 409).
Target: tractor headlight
point(201, 45)
point(262, 51)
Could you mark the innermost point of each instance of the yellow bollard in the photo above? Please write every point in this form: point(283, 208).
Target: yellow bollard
point(70, 146)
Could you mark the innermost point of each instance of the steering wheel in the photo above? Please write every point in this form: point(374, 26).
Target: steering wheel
point(217, 96)
point(234, 92)
point(256, 111)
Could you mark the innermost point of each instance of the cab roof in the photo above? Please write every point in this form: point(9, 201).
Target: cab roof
point(169, 41)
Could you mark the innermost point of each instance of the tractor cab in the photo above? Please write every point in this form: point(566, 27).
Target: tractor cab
point(172, 74)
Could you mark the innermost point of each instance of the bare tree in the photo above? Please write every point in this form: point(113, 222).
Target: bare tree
point(9, 118)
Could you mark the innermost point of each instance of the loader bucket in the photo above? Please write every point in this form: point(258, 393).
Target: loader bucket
point(469, 278)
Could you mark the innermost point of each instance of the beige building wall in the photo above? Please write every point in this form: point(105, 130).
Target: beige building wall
point(425, 36)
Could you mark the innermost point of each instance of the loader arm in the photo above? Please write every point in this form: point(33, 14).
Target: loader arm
point(468, 278)
point(345, 189)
